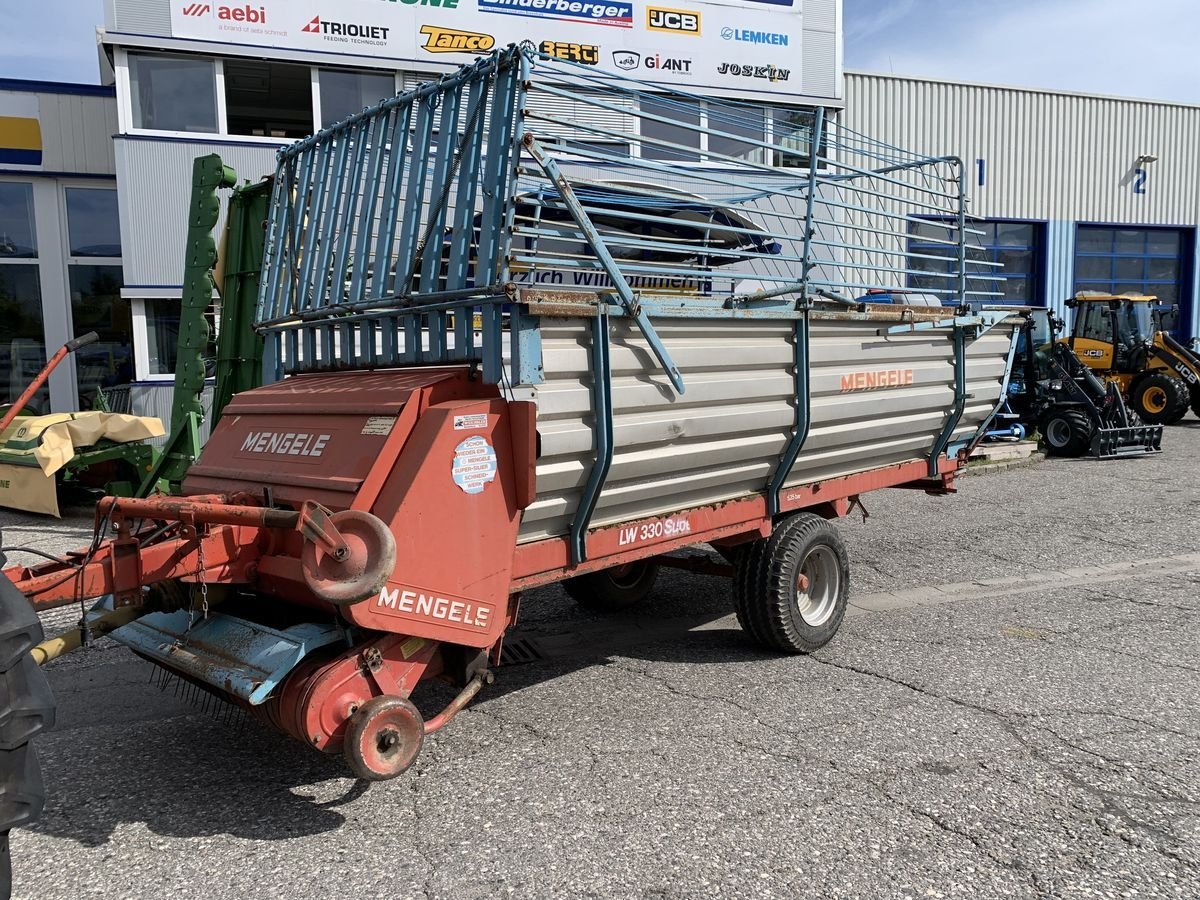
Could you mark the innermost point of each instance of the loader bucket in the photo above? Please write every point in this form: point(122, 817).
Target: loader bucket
point(1117, 443)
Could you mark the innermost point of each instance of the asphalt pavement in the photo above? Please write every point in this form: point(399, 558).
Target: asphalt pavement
point(1009, 710)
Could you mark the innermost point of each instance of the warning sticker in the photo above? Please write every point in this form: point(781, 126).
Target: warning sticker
point(379, 425)
point(470, 422)
point(474, 464)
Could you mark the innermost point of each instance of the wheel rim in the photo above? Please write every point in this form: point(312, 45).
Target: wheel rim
point(817, 586)
point(626, 576)
point(1156, 400)
point(1058, 432)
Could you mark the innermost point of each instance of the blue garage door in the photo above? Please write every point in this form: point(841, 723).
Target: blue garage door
point(1013, 250)
point(1154, 261)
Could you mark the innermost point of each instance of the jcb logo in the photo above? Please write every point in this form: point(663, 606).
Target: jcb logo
point(450, 40)
point(588, 54)
point(1094, 354)
point(674, 21)
point(1188, 375)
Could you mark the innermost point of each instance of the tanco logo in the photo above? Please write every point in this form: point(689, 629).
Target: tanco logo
point(249, 14)
point(451, 40)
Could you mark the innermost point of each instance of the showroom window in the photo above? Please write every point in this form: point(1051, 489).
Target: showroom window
point(173, 93)
point(94, 281)
point(268, 99)
point(346, 93)
point(22, 339)
point(1017, 248)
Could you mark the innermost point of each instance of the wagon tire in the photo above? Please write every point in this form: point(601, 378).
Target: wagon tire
point(796, 586)
point(383, 737)
point(615, 589)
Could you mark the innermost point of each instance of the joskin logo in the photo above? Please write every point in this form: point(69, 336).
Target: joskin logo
point(767, 73)
point(673, 21)
point(248, 14)
point(450, 40)
point(746, 36)
point(628, 59)
point(347, 32)
point(588, 54)
point(615, 13)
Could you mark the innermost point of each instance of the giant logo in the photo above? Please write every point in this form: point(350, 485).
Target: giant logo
point(673, 21)
point(451, 40)
point(616, 13)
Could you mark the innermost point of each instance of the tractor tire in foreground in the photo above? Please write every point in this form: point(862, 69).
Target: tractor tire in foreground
point(790, 590)
point(1066, 432)
point(1183, 399)
point(26, 708)
point(615, 589)
point(1155, 398)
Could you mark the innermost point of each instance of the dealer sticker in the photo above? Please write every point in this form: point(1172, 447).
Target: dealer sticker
point(470, 422)
point(474, 464)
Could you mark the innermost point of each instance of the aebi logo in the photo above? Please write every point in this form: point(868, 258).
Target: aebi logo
point(249, 14)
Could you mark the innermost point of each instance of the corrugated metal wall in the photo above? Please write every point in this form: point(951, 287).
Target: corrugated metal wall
point(1049, 156)
point(77, 132)
point(155, 178)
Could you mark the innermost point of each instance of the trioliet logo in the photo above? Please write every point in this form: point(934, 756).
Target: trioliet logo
point(347, 32)
point(673, 21)
point(451, 40)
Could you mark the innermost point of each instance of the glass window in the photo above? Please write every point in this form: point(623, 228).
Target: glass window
point(792, 133)
point(1091, 267)
point(22, 341)
point(269, 99)
point(96, 305)
point(1097, 322)
point(1128, 268)
point(740, 121)
point(1131, 260)
point(1094, 240)
point(1003, 260)
point(1014, 234)
point(162, 336)
point(93, 226)
point(18, 239)
point(1129, 240)
point(1164, 243)
point(173, 93)
point(686, 133)
point(346, 93)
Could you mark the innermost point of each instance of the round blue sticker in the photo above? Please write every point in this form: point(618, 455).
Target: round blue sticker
point(474, 464)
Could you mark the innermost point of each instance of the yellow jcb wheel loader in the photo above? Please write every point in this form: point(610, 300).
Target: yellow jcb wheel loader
point(1117, 338)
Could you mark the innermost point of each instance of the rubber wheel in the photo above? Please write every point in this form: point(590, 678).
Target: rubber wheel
point(383, 738)
point(364, 572)
point(1155, 398)
point(790, 590)
point(1066, 432)
point(611, 590)
point(1183, 399)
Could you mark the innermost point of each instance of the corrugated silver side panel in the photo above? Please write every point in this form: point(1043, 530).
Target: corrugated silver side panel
point(155, 179)
point(150, 399)
point(139, 16)
point(722, 439)
point(1057, 156)
point(77, 133)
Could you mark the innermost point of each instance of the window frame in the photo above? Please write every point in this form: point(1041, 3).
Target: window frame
point(1035, 276)
point(1114, 257)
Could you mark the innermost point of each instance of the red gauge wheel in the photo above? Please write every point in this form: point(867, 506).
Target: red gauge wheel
point(365, 569)
point(383, 738)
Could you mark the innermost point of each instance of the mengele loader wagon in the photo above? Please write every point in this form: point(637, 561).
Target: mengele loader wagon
point(504, 351)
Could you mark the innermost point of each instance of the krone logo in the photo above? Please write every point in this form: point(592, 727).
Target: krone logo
point(451, 40)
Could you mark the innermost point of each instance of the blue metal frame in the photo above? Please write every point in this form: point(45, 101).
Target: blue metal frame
point(602, 430)
point(960, 401)
point(803, 421)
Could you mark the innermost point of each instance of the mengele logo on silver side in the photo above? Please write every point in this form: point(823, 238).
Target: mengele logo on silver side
point(285, 443)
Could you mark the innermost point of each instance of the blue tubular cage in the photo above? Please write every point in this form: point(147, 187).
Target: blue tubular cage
point(433, 227)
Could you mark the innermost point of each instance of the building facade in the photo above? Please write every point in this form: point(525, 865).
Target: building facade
point(60, 242)
point(1069, 192)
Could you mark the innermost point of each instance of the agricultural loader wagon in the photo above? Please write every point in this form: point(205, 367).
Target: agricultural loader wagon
point(505, 350)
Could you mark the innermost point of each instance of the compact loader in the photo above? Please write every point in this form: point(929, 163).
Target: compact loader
point(1118, 338)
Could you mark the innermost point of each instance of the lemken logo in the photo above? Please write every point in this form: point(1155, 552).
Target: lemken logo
point(450, 40)
point(347, 32)
point(615, 13)
point(747, 36)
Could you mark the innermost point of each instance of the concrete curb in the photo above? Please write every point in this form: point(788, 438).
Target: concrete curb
point(993, 468)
